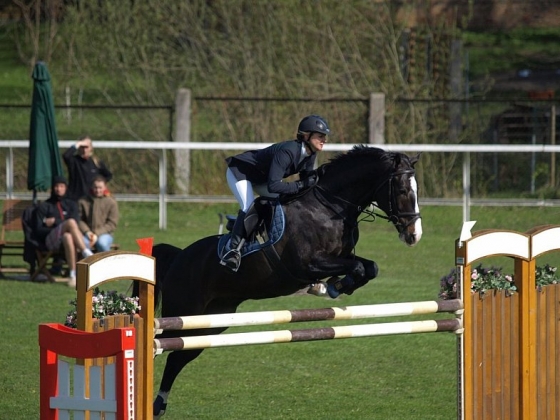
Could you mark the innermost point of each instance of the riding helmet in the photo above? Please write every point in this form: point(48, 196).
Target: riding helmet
point(313, 124)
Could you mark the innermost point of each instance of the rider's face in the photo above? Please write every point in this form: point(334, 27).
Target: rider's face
point(317, 141)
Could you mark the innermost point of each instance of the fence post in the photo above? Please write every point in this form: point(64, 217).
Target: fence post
point(376, 118)
point(183, 135)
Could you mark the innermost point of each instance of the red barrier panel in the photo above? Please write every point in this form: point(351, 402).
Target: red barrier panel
point(57, 340)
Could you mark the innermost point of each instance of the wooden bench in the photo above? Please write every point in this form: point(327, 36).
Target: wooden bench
point(12, 210)
point(11, 222)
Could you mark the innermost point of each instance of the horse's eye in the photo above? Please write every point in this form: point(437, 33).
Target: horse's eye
point(402, 191)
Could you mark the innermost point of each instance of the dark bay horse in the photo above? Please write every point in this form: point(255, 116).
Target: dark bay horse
point(319, 239)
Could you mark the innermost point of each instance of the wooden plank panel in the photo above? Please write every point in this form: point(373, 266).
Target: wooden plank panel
point(515, 402)
point(541, 354)
point(487, 330)
point(551, 353)
point(477, 341)
point(505, 337)
point(556, 394)
point(496, 351)
point(138, 368)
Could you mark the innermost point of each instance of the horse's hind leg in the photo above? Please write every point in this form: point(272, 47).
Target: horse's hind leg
point(176, 361)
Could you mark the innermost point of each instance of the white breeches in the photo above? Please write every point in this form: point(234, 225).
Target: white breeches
point(243, 190)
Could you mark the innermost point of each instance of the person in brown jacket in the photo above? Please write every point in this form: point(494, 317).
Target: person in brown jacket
point(99, 216)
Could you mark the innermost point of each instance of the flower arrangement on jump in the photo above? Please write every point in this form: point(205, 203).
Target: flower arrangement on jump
point(484, 279)
point(105, 304)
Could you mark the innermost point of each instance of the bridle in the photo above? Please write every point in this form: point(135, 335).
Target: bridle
point(393, 215)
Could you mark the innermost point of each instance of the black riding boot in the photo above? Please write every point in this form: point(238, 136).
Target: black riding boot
point(232, 258)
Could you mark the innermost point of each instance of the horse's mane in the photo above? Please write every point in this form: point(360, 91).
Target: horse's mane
point(362, 151)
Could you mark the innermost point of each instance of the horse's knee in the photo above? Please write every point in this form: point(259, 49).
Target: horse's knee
point(359, 271)
point(371, 271)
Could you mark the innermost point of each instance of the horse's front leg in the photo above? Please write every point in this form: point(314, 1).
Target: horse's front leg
point(370, 272)
point(357, 271)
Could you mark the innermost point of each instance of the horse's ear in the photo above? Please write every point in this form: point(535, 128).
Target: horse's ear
point(415, 159)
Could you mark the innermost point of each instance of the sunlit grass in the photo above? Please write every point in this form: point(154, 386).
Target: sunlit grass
point(384, 378)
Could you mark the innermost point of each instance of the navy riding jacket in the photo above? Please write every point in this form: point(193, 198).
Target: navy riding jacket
point(272, 164)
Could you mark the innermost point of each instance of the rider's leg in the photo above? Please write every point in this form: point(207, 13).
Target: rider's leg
point(262, 190)
point(243, 192)
point(238, 231)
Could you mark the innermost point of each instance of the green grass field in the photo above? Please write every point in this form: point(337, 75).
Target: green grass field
point(393, 377)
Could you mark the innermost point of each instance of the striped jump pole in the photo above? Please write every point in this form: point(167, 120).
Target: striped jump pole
point(305, 315)
point(314, 334)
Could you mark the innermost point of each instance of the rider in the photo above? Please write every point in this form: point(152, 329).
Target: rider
point(264, 169)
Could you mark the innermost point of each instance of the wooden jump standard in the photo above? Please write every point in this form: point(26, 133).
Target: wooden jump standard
point(509, 365)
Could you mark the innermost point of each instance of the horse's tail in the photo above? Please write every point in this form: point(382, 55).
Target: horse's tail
point(164, 255)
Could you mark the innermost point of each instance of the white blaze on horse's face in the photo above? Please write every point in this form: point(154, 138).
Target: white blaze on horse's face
point(418, 223)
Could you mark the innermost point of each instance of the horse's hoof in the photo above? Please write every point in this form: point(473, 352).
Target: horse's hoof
point(159, 407)
point(318, 289)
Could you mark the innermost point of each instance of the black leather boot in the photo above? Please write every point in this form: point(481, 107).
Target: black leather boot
point(232, 258)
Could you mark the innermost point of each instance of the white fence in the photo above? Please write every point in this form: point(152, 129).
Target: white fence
point(163, 198)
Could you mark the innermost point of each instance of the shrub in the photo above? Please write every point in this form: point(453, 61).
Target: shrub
point(105, 304)
point(484, 279)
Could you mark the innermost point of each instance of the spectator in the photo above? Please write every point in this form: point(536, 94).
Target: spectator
point(99, 215)
point(83, 166)
point(57, 225)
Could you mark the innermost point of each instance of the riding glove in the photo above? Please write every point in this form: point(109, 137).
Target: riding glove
point(307, 182)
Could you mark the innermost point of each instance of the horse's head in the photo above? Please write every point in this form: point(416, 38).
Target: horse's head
point(369, 174)
point(398, 198)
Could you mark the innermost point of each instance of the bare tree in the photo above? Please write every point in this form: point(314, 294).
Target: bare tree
point(38, 40)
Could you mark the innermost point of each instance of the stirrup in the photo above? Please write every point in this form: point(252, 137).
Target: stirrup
point(232, 260)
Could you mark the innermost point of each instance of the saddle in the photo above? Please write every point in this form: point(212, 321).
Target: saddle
point(264, 224)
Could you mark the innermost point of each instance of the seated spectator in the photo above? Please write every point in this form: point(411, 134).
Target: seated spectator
point(99, 215)
point(83, 166)
point(56, 226)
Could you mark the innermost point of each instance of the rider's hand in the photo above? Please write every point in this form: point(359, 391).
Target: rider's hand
point(307, 182)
